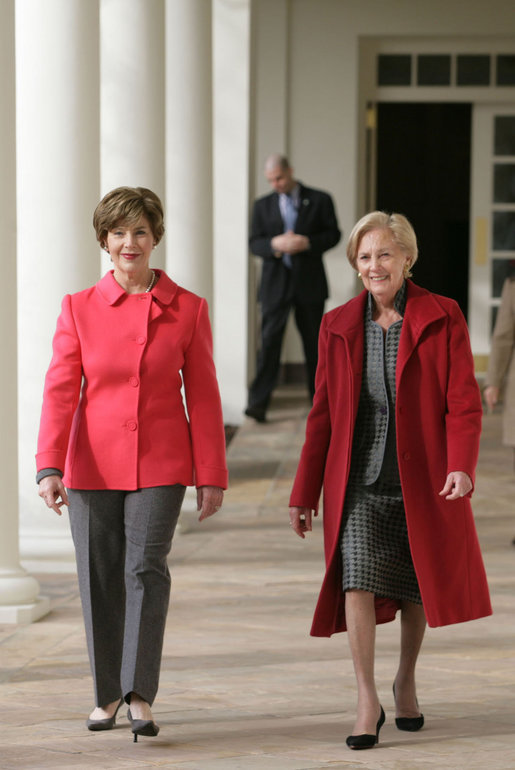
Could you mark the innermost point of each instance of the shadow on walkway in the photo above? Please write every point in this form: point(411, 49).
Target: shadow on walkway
point(243, 685)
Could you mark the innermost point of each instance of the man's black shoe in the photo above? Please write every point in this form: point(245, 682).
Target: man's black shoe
point(256, 413)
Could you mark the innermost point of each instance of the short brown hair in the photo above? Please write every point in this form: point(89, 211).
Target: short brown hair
point(399, 226)
point(126, 205)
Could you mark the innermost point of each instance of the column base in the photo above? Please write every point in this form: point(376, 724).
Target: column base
point(25, 613)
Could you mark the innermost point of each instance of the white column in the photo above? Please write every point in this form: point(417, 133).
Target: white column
point(189, 179)
point(57, 189)
point(231, 74)
point(270, 128)
point(19, 600)
point(132, 99)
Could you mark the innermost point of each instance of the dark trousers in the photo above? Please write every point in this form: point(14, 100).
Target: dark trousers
point(122, 540)
point(308, 317)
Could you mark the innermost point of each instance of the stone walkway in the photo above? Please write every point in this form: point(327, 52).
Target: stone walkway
point(243, 685)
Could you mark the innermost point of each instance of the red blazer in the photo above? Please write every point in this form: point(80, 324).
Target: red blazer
point(438, 420)
point(113, 415)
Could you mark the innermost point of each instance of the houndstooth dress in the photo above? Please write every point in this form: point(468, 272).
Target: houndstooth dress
point(374, 539)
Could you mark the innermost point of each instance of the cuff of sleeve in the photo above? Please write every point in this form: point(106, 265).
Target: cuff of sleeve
point(212, 477)
point(48, 472)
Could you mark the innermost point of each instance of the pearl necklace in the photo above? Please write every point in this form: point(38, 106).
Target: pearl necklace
point(152, 279)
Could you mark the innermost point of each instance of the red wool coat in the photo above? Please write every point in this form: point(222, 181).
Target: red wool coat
point(113, 415)
point(438, 420)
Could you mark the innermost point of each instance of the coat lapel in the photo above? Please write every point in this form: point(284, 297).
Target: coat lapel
point(422, 310)
point(304, 204)
point(347, 323)
point(163, 293)
point(274, 216)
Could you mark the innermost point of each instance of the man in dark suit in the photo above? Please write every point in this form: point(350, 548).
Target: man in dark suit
point(291, 229)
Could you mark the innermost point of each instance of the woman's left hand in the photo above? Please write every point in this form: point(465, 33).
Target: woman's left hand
point(457, 484)
point(209, 501)
point(300, 520)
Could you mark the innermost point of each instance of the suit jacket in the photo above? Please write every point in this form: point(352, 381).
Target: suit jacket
point(306, 281)
point(438, 421)
point(113, 415)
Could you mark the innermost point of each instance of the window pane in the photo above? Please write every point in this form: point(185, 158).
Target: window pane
point(434, 70)
point(473, 70)
point(394, 70)
point(501, 270)
point(504, 231)
point(504, 135)
point(506, 70)
point(504, 183)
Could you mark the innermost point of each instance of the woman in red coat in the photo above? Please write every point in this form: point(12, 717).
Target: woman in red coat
point(117, 445)
point(393, 440)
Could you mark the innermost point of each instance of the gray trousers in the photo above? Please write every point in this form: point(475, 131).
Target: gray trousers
point(122, 540)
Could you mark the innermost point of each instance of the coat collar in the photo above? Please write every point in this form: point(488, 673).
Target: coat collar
point(164, 289)
point(422, 309)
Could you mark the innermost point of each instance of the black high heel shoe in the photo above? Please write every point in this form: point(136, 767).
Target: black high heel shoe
point(103, 724)
point(366, 741)
point(409, 724)
point(142, 727)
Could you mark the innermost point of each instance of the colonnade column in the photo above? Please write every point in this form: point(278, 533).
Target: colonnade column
point(57, 81)
point(231, 73)
point(19, 600)
point(132, 98)
point(189, 160)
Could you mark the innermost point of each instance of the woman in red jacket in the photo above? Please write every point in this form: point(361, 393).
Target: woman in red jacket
point(393, 439)
point(117, 445)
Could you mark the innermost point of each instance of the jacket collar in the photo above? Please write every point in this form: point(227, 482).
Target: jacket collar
point(163, 290)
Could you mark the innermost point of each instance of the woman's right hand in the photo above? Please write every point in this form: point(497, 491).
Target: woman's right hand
point(53, 492)
point(491, 394)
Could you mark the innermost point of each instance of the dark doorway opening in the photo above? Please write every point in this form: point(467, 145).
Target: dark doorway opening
point(423, 171)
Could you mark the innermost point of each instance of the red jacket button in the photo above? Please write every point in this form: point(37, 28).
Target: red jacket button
point(407, 455)
point(132, 424)
point(134, 382)
point(141, 339)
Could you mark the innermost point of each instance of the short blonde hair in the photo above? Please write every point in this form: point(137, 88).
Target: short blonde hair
point(126, 205)
point(400, 228)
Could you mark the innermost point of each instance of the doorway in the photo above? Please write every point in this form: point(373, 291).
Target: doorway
point(423, 171)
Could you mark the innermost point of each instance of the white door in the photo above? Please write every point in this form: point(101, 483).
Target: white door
point(492, 218)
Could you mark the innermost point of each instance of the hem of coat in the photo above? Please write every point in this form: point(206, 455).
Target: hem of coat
point(119, 484)
point(386, 610)
point(471, 616)
point(213, 477)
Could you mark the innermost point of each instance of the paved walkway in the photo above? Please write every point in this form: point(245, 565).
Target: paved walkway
point(243, 685)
